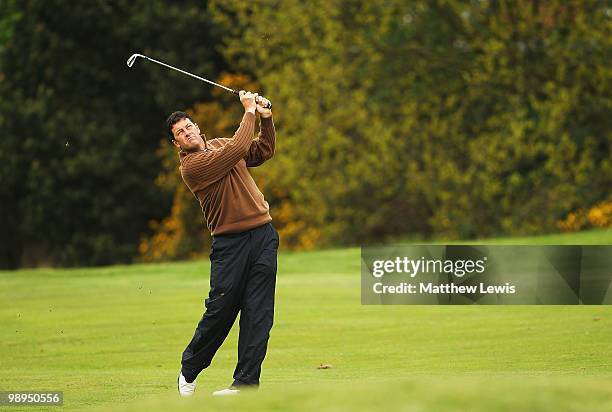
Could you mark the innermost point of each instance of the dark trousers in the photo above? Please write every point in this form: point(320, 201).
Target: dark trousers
point(242, 279)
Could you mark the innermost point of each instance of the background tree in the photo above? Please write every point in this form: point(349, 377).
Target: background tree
point(80, 130)
point(418, 119)
point(448, 118)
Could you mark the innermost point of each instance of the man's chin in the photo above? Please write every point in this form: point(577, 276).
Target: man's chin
point(192, 147)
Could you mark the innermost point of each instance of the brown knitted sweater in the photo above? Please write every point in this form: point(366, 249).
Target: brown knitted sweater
point(219, 178)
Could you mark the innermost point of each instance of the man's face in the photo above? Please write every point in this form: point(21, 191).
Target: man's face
point(187, 135)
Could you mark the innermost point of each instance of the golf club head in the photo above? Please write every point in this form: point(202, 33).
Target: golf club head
point(132, 59)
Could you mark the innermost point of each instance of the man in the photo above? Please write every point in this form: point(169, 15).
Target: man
point(244, 242)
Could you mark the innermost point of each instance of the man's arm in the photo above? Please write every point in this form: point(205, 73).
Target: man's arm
point(202, 168)
point(263, 147)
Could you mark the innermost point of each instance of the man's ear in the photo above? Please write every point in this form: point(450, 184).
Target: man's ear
point(174, 142)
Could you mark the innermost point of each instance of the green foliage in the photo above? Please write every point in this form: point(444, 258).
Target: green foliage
point(429, 118)
point(80, 130)
point(448, 118)
point(9, 15)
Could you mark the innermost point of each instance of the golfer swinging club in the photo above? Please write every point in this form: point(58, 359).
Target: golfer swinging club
point(244, 242)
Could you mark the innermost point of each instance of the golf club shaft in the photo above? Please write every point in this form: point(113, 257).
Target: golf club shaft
point(132, 59)
point(191, 74)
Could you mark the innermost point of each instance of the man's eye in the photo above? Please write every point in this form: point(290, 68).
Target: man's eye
point(188, 126)
point(180, 132)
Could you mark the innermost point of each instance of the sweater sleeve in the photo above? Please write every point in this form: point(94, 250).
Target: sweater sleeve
point(263, 147)
point(203, 168)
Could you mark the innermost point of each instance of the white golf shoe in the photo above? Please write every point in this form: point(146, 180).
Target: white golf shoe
point(226, 392)
point(185, 388)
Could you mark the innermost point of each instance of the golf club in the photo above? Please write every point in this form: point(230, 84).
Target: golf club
point(133, 57)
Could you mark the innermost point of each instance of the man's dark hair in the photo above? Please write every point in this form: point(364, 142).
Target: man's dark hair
point(172, 120)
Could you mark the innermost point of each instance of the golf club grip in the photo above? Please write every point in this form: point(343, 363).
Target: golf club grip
point(268, 106)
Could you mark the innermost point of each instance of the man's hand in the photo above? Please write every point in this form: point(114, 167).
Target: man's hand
point(248, 101)
point(262, 102)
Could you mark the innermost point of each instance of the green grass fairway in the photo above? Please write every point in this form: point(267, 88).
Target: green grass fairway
point(111, 339)
point(587, 237)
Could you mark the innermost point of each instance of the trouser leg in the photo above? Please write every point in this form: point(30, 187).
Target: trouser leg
point(229, 264)
point(257, 307)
